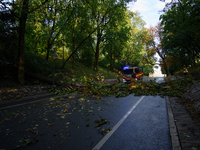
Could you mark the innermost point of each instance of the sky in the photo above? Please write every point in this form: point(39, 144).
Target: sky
point(150, 12)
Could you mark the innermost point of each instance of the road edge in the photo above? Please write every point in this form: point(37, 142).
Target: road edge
point(172, 126)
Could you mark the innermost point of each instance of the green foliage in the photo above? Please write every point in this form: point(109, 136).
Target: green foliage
point(55, 25)
point(8, 37)
point(171, 88)
point(124, 44)
point(181, 31)
point(87, 57)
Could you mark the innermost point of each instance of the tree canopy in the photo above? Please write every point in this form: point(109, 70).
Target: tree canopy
point(94, 33)
point(181, 32)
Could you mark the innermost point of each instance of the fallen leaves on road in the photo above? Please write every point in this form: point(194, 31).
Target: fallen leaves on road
point(101, 122)
point(104, 131)
point(65, 111)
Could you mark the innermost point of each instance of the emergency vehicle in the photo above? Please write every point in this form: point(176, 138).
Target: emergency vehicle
point(132, 72)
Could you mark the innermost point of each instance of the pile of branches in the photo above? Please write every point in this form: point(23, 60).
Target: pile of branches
point(174, 88)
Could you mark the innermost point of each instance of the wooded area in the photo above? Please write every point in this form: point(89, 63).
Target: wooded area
point(180, 34)
point(96, 33)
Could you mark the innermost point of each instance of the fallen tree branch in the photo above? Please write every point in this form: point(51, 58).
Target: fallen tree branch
point(49, 80)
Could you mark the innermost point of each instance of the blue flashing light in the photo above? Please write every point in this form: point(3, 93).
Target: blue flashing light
point(126, 67)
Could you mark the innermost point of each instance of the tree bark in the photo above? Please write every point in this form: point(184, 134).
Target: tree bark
point(165, 67)
point(22, 27)
point(111, 61)
point(97, 55)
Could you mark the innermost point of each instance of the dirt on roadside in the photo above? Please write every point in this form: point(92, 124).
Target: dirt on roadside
point(191, 100)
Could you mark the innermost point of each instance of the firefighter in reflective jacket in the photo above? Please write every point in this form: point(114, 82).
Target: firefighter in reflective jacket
point(118, 77)
point(185, 71)
point(97, 77)
point(102, 78)
point(133, 77)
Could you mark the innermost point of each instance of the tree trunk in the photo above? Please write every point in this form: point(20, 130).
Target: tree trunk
point(22, 27)
point(97, 51)
point(113, 59)
point(96, 61)
point(96, 56)
point(63, 54)
point(110, 61)
point(48, 49)
point(165, 67)
point(73, 57)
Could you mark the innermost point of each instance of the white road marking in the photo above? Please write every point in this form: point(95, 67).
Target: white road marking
point(27, 103)
point(107, 136)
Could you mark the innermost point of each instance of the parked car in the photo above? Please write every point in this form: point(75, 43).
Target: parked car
point(132, 72)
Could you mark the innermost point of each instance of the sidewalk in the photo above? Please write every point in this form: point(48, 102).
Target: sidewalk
point(185, 135)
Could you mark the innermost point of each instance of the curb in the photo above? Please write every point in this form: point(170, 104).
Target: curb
point(172, 126)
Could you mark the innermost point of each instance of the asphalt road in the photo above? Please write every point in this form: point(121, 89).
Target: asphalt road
point(157, 79)
point(145, 79)
point(138, 123)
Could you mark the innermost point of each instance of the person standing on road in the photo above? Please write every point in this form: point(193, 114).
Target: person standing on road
point(97, 77)
point(185, 71)
point(133, 77)
point(118, 77)
point(102, 78)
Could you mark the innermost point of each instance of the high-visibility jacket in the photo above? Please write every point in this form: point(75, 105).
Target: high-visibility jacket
point(185, 70)
point(118, 78)
point(97, 78)
point(102, 78)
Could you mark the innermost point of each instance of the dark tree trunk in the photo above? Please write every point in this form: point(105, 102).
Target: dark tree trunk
point(22, 27)
point(111, 62)
point(97, 54)
point(73, 57)
point(96, 59)
point(165, 67)
point(48, 49)
point(113, 59)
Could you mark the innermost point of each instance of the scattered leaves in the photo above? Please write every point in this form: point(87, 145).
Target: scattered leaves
point(51, 124)
point(65, 111)
point(87, 125)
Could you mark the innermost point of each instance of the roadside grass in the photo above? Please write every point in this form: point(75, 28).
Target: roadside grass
point(78, 70)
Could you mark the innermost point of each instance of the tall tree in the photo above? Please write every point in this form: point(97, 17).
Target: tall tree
point(181, 30)
point(157, 44)
point(103, 13)
point(23, 9)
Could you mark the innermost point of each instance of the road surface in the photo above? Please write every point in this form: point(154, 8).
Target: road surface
point(145, 79)
point(137, 122)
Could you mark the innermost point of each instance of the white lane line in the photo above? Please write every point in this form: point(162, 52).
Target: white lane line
point(107, 136)
point(27, 103)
